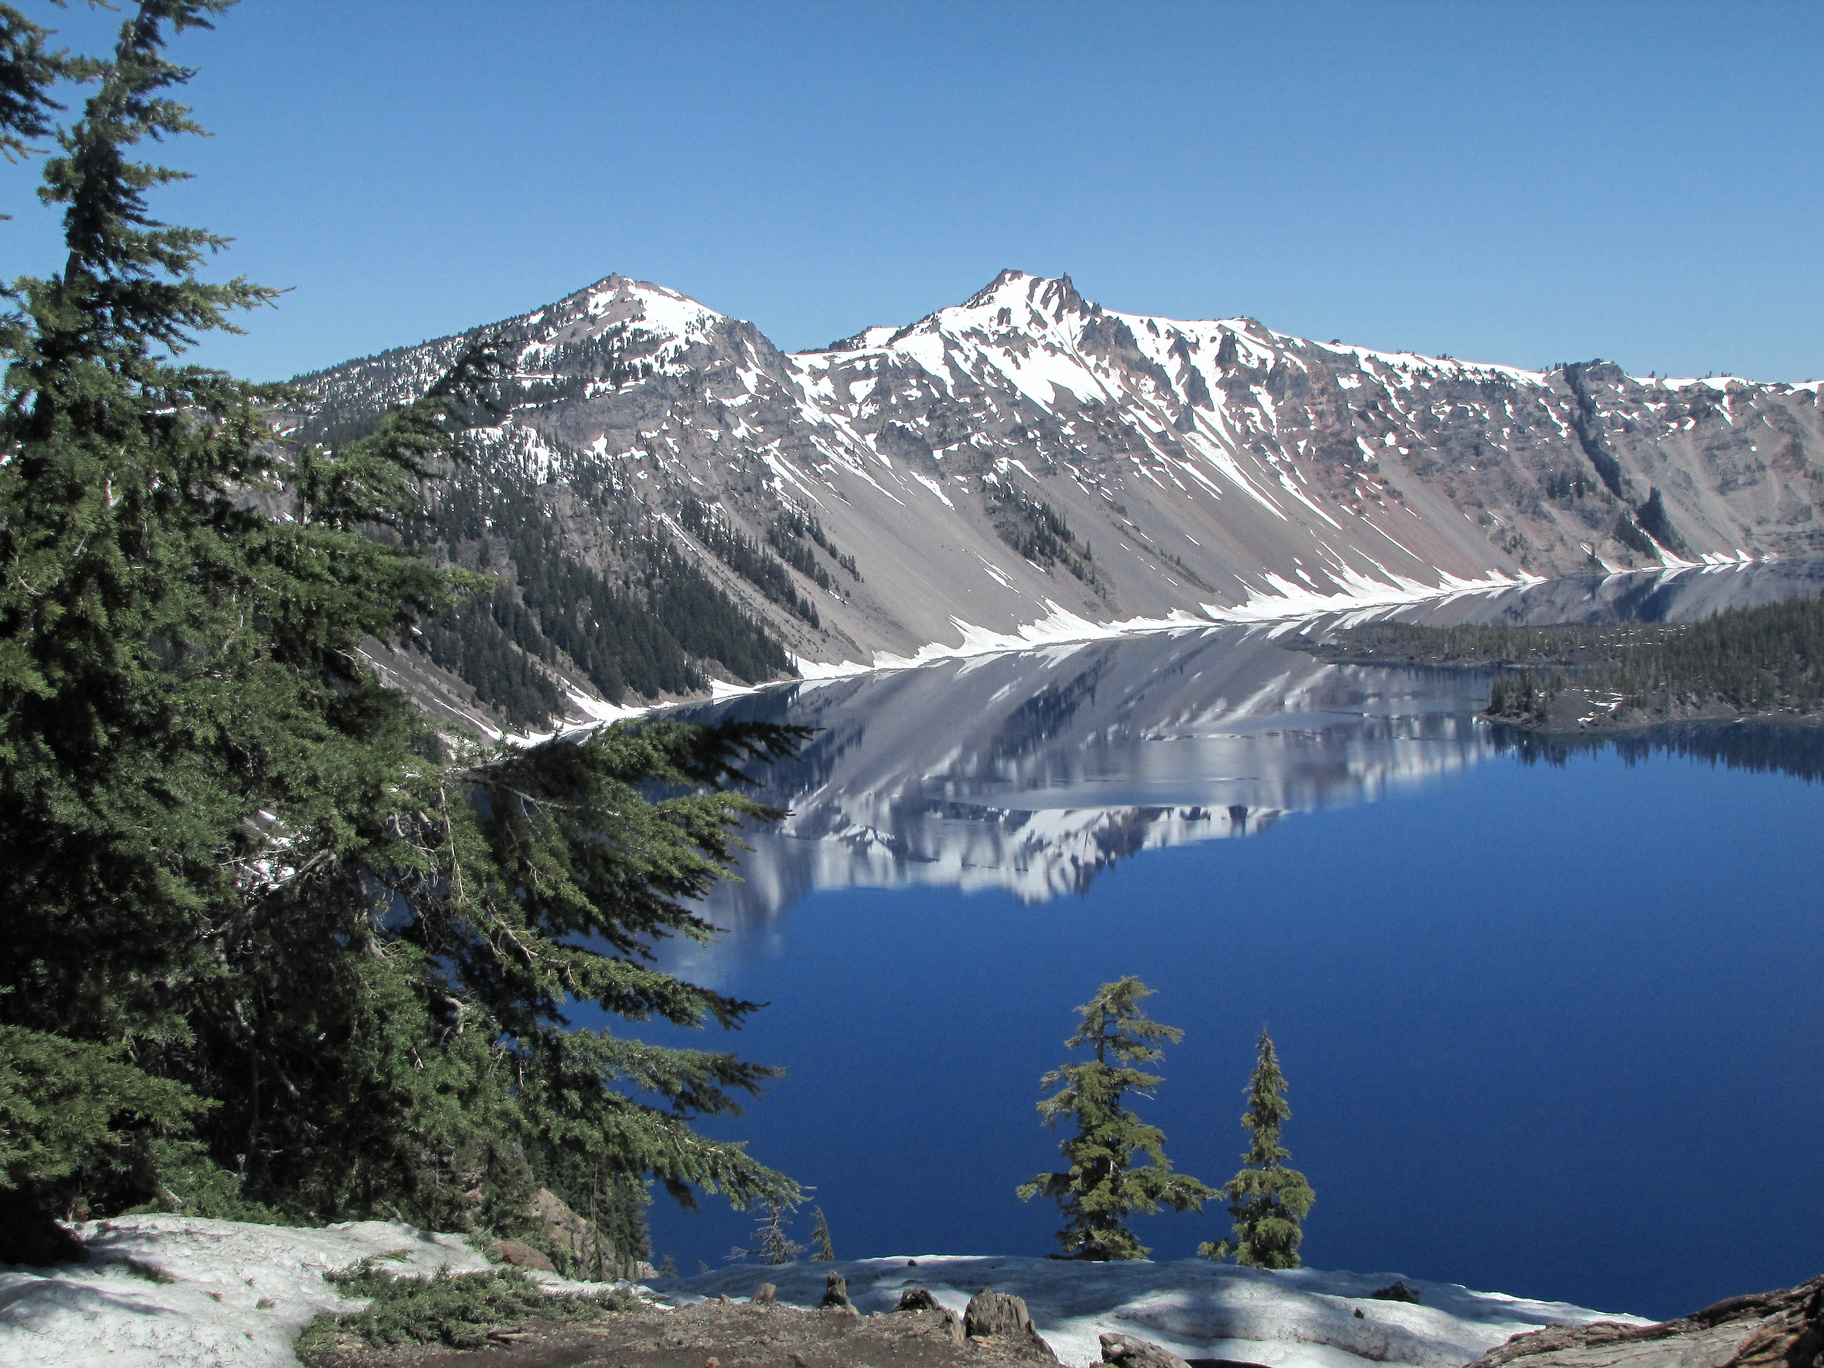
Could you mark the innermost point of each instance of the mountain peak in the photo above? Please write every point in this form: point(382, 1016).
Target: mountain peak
point(994, 288)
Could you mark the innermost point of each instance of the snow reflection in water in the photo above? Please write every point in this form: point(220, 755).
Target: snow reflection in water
point(1517, 996)
point(1033, 772)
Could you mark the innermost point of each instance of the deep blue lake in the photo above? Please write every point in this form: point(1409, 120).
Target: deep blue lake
point(1552, 1025)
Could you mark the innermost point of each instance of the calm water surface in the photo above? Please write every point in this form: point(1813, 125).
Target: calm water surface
point(1554, 1029)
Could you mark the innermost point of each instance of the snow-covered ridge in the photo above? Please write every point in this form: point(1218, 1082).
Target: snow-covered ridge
point(1205, 470)
point(1040, 308)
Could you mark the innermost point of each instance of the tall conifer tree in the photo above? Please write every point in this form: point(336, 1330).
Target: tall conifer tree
point(247, 890)
point(1117, 1161)
point(1267, 1199)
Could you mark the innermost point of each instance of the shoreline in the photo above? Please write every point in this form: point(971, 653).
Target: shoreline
point(1575, 713)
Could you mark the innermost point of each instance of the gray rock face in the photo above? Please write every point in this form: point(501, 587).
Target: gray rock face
point(917, 1301)
point(519, 1255)
point(997, 1315)
point(836, 1294)
point(1184, 465)
point(1128, 1352)
point(1767, 1330)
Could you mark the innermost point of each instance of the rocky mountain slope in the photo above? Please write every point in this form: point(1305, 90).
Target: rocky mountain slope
point(1028, 459)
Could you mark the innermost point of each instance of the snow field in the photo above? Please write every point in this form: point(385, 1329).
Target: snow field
point(177, 1292)
point(1301, 1318)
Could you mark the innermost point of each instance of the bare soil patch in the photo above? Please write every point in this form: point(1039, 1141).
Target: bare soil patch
point(733, 1334)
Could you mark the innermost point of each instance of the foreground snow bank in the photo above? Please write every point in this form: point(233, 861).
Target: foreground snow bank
point(168, 1290)
point(1302, 1318)
point(171, 1290)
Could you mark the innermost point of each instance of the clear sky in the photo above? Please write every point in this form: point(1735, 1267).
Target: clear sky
point(1517, 182)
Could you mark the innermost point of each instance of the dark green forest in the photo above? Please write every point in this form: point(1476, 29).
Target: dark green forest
point(1766, 659)
point(640, 630)
point(1037, 531)
point(787, 536)
point(742, 554)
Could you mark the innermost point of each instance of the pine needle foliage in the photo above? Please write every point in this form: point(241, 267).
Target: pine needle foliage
point(453, 1309)
point(272, 942)
point(1117, 1163)
point(1267, 1199)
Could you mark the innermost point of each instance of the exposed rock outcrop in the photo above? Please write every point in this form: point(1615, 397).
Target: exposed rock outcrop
point(1000, 1316)
point(1767, 1330)
point(1127, 1352)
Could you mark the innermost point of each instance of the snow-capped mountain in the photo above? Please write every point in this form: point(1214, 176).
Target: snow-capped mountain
point(1028, 459)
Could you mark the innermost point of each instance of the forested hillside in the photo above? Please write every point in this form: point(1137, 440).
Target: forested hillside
point(625, 612)
point(640, 626)
point(1764, 660)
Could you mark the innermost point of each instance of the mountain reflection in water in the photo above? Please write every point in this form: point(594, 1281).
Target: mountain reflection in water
point(1034, 771)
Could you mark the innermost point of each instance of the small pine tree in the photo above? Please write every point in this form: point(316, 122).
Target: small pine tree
point(771, 1244)
point(1267, 1199)
point(820, 1239)
point(668, 1267)
point(1104, 1185)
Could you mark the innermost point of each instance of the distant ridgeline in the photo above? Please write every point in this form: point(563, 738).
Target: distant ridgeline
point(1750, 662)
point(634, 616)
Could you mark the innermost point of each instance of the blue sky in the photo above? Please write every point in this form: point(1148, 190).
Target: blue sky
point(1527, 183)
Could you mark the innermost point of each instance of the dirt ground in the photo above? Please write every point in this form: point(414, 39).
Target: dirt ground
point(718, 1334)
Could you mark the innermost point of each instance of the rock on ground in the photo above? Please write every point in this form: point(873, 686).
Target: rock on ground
point(1767, 1330)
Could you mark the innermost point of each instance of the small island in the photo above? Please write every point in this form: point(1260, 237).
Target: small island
point(1762, 664)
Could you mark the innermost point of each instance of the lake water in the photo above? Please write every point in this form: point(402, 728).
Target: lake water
point(1552, 1023)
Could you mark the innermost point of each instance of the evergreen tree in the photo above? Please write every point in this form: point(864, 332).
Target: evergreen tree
point(1104, 1184)
point(1267, 1199)
point(771, 1244)
point(820, 1238)
point(249, 893)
